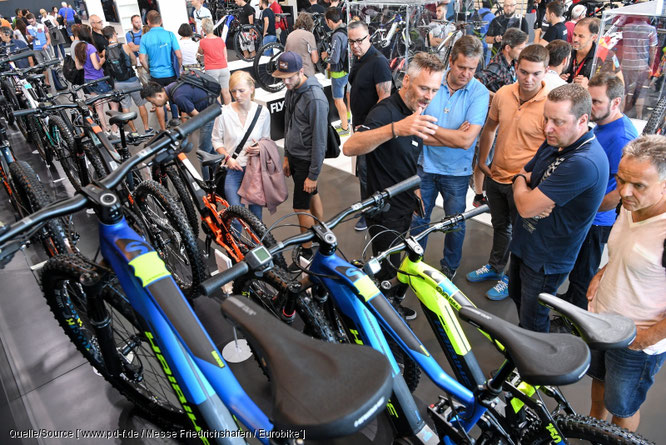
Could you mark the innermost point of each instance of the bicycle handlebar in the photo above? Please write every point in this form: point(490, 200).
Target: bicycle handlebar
point(21, 54)
point(241, 268)
point(444, 224)
point(42, 108)
point(80, 200)
point(92, 82)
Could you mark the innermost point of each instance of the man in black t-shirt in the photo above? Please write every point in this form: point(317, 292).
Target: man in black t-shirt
point(371, 81)
point(316, 7)
point(246, 16)
point(99, 40)
point(501, 23)
point(557, 29)
point(268, 25)
point(392, 138)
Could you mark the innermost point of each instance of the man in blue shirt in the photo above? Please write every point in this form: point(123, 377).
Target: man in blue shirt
point(557, 195)
point(156, 52)
point(67, 14)
point(445, 164)
point(190, 101)
point(38, 34)
point(14, 45)
point(613, 131)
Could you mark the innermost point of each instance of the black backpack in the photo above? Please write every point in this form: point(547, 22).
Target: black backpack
point(201, 81)
point(118, 63)
point(69, 71)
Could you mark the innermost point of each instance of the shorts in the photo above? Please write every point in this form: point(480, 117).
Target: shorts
point(164, 81)
point(247, 41)
point(300, 169)
point(131, 83)
point(627, 377)
point(69, 29)
point(338, 86)
point(634, 80)
point(98, 88)
point(221, 75)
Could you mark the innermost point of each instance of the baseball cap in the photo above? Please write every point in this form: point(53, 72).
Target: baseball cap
point(287, 64)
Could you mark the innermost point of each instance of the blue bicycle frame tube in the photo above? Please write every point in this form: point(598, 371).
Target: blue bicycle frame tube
point(181, 343)
point(359, 299)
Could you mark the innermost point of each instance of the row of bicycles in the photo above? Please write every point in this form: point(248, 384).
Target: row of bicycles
point(128, 310)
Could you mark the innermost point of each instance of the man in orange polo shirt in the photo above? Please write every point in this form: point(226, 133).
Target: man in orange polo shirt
point(516, 115)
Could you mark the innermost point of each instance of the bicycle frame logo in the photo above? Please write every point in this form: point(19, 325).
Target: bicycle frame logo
point(133, 248)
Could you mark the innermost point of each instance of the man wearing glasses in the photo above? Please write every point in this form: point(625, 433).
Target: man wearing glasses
point(370, 80)
point(501, 23)
point(99, 40)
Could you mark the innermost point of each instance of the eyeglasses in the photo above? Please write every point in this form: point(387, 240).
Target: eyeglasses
point(357, 41)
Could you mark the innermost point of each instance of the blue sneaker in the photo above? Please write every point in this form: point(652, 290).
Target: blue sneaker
point(483, 273)
point(500, 291)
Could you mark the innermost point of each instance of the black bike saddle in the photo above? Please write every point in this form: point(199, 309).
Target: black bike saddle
point(209, 159)
point(327, 389)
point(600, 331)
point(120, 119)
point(541, 359)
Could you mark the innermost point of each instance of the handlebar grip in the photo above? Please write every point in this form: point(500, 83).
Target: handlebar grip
point(403, 186)
point(199, 120)
point(216, 282)
point(476, 211)
point(19, 113)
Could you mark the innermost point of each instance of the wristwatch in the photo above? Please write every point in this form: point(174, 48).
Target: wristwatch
point(513, 180)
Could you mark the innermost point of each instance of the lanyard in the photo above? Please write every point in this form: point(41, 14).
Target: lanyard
point(579, 66)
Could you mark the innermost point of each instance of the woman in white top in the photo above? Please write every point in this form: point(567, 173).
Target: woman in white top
point(188, 47)
point(229, 129)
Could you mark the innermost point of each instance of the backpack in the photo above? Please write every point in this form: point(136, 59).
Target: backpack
point(118, 63)
point(332, 143)
point(73, 75)
point(202, 81)
point(344, 56)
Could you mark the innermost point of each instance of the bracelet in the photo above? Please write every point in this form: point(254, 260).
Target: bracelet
point(393, 130)
point(513, 180)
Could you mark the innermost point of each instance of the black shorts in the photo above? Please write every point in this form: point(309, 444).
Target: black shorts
point(164, 81)
point(299, 169)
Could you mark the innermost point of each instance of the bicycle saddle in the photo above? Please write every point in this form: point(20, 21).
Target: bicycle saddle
point(33, 77)
point(540, 358)
point(600, 331)
point(328, 389)
point(209, 159)
point(119, 118)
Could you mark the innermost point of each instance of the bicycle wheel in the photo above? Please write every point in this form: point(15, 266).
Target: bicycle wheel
point(35, 130)
point(11, 103)
point(247, 231)
point(31, 197)
point(264, 66)
point(270, 291)
point(246, 36)
point(171, 235)
point(655, 124)
point(62, 142)
point(170, 178)
point(583, 429)
point(143, 381)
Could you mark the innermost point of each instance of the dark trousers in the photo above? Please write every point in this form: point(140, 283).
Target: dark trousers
point(383, 228)
point(587, 264)
point(525, 285)
point(362, 174)
point(502, 215)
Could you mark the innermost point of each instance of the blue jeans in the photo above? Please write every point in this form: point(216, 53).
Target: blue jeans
point(454, 191)
point(587, 264)
point(525, 285)
point(268, 39)
point(627, 377)
point(231, 185)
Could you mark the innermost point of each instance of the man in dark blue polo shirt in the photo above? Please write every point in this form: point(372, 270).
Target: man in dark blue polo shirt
point(557, 195)
point(190, 101)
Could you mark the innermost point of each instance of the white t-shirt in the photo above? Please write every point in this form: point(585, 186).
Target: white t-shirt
point(189, 48)
point(228, 131)
point(199, 15)
point(553, 80)
point(634, 282)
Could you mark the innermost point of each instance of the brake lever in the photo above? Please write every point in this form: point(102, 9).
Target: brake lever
point(9, 250)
